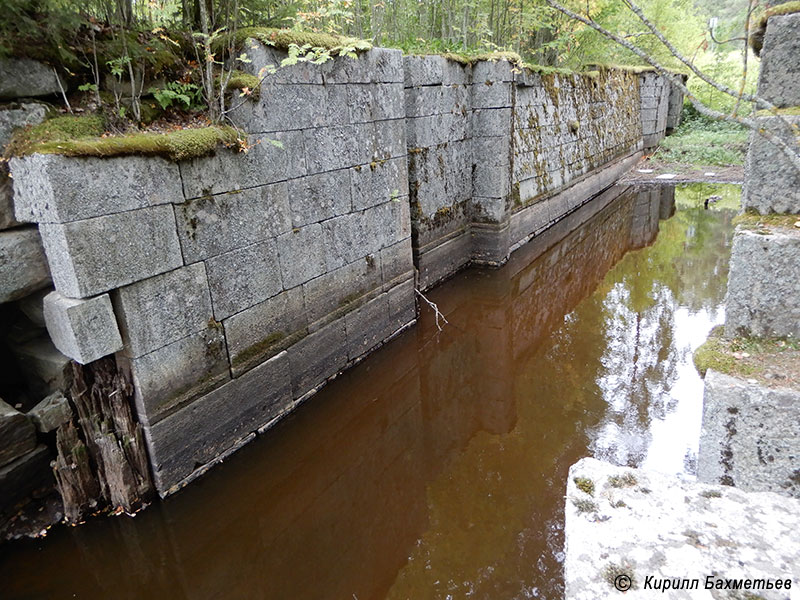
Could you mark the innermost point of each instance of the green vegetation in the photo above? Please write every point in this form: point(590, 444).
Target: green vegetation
point(283, 39)
point(584, 506)
point(753, 221)
point(619, 481)
point(81, 136)
point(703, 141)
point(585, 485)
point(751, 358)
point(711, 494)
point(613, 571)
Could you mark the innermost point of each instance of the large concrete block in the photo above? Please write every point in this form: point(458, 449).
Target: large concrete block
point(263, 330)
point(26, 78)
point(271, 158)
point(49, 188)
point(18, 116)
point(286, 107)
point(208, 427)
point(491, 94)
point(397, 260)
point(317, 357)
point(244, 277)
point(493, 70)
point(17, 434)
point(23, 264)
point(779, 74)
point(378, 182)
point(338, 290)
point(262, 56)
point(390, 139)
point(750, 437)
point(763, 288)
point(163, 309)
point(643, 529)
point(347, 238)
point(388, 223)
point(367, 326)
point(331, 148)
point(177, 373)
point(375, 102)
point(772, 183)
point(95, 255)
point(302, 255)
point(84, 330)
point(7, 218)
point(423, 70)
point(51, 412)
point(212, 225)
point(315, 198)
point(379, 65)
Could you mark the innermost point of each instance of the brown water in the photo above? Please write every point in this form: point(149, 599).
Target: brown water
point(437, 467)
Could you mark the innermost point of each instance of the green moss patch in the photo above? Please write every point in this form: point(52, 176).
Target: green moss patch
point(624, 480)
point(752, 221)
point(791, 111)
point(774, 362)
point(182, 144)
point(284, 38)
point(585, 485)
point(53, 130)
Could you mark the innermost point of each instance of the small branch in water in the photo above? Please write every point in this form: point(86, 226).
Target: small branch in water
point(435, 308)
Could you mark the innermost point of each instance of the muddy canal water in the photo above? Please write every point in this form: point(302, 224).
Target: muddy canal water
point(437, 467)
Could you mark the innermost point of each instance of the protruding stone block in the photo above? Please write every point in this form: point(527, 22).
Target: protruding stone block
point(338, 289)
point(779, 74)
point(772, 183)
point(84, 330)
point(763, 287)
point(205, 429)
point(26, 78)
point(17, 434)
point(423, 70)
point(163, 309)
point(639, 530)
point(49, 188)
point(750, 437)
point(178, 373)
point(95, 255)
point(51, 412)
point(23, 265)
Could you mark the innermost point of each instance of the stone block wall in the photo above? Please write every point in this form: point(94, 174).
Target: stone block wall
point(231, 286)
point(537, 147)
point(439, 124)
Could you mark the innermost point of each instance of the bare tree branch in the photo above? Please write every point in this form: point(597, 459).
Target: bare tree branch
point(435, 310)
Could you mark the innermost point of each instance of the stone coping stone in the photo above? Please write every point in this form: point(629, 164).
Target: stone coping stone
point(26, 78)
point(83, 330)
point(650, 527)
point(779, 75)
point(49, 188)
point(23, 264)
point(763, 287)
point(751, 436)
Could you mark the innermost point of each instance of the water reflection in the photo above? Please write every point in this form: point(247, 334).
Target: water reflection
point(437, 467)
